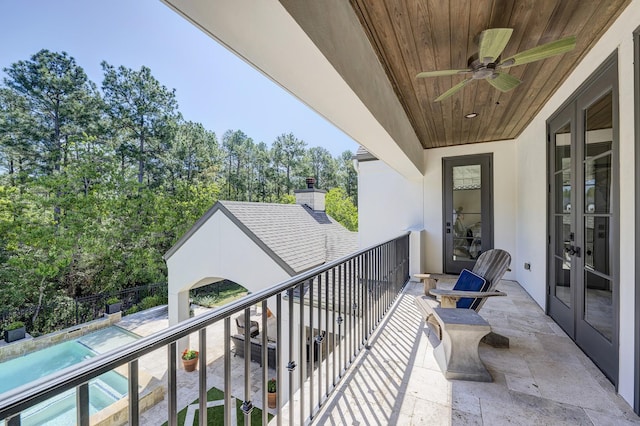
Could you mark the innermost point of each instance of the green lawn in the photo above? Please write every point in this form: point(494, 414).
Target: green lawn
point(218, 294)
point(215, 415)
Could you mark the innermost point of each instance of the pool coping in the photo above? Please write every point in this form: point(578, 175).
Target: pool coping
point(151, 392)
point(22, 347)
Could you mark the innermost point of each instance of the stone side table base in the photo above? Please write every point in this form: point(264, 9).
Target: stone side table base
point(457, 353)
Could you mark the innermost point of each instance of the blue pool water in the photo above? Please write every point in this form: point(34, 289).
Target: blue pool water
point(103, 391)
point(61, 410)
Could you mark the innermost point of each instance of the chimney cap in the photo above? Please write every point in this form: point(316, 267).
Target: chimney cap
point(310, 182)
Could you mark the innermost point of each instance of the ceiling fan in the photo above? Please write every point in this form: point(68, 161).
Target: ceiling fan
point(487, 64)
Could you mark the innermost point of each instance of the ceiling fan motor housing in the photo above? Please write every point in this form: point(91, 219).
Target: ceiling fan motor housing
point(482, 70)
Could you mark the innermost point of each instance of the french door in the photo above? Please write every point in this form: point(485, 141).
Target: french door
point(583, 220)
point(468, 210)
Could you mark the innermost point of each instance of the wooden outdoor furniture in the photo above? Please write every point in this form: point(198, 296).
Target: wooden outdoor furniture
point(428, 281)
point(491, 267)
point(450, 298)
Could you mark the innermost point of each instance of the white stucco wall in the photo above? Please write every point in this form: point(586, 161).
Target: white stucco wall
point(504, 198)
point(388, 203)
point(531, 209)
point(220, 250)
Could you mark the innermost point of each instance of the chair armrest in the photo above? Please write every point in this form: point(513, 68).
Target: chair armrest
point(422, 276)
point(428, 282)
point(449, 298)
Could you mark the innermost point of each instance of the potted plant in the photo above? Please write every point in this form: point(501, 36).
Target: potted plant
point(114, 305)
point(14, 331)
point(189, 359)
point(271, 393)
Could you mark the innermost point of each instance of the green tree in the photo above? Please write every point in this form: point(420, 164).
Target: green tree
point(234, 144)
point(263, 169)
point(340, 207)
point(288, 152)
point(47, 100)
point(323, 167)
point(347, 177)
point(144, 112)
point(16, 153)
point(93, 190)
point(194, 155)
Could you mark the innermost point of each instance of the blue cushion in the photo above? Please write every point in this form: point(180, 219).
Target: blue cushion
point(468, 281)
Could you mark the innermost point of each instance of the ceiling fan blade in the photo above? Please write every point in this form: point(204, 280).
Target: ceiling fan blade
point(492, 43)
point(504, 82)
point(540, 52)
point(441, 73)
point(453, 90)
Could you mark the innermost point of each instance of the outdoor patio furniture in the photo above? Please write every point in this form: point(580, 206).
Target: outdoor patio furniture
point(254, 330)
point(457, 354)
point(256, 350)
point(468, 293)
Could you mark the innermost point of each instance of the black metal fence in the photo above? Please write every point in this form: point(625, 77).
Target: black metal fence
point(63, 312)
point(344, 302)
point(89, 308)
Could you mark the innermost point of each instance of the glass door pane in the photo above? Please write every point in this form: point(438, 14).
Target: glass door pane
point(467, 216)
point(467, 210)
point(562, 212)
point(597, 166)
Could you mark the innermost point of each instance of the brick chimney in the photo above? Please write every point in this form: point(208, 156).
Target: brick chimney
point(311, 197)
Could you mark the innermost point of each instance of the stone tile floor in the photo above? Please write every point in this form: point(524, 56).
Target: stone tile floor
point(542, 379)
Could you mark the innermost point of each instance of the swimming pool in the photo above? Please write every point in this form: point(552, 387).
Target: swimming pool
point(103, 391)
point(61, 410)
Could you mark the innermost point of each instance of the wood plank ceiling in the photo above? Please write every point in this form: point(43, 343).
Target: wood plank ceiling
point(411, 36)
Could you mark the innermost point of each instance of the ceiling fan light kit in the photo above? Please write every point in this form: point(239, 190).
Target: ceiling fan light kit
point(487, 65)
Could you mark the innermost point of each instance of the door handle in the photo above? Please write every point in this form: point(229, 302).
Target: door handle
point(573, 251)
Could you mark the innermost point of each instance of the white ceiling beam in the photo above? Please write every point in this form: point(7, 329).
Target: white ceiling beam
point(329, 65)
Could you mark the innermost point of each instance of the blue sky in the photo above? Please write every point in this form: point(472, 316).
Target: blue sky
point(213, 86)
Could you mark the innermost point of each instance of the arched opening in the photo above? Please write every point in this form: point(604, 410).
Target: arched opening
point(216, 294)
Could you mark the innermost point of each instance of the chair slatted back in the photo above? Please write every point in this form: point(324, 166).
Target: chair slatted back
point(491, 265)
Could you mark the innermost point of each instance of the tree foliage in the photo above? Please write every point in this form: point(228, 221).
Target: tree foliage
point(340, 206)
point(97, 184)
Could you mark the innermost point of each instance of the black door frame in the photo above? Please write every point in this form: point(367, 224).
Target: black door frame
point(563, 314)
point(486, 159)
point(636, 334)
point(596, 83)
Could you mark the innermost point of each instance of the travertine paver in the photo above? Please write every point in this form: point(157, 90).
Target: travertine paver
point(543, 378)
point(155, 364)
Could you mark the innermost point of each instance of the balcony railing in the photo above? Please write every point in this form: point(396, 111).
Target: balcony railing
point(331, 312)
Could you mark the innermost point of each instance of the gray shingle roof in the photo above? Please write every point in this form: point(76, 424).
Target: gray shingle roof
point(363, 155)
point(297, 237)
